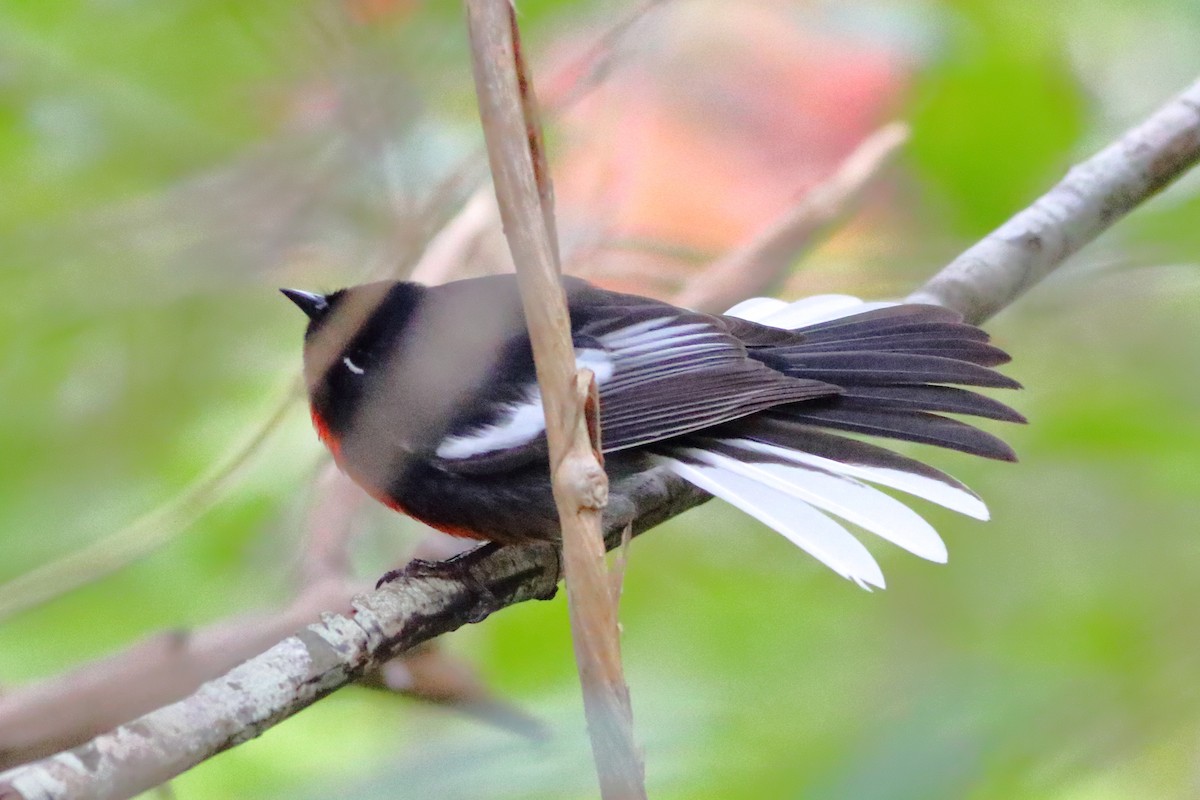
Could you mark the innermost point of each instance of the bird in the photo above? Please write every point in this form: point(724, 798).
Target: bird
point(427, 397)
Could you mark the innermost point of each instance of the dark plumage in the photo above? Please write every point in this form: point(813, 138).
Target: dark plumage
point(428, 398)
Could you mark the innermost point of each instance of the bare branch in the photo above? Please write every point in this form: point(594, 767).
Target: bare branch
point(72, 708)
point(301, 669)
point(51, 715)
point(330, 527)
point(459, 240)
point(755, 267)
point(431, 674)
point(65, 711)
point(1093, 196)
point(512, 130)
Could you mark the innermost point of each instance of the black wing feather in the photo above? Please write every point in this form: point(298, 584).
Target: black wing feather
point(687, 402)
point(685, 376)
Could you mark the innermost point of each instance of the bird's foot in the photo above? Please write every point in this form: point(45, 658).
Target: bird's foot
point(457, 568)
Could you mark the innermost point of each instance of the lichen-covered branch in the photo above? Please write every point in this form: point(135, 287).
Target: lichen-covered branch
point(1093, 196)
point(301, 669)
point(45, 717)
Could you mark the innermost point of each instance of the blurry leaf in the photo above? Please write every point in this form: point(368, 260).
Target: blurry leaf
point(997, 112)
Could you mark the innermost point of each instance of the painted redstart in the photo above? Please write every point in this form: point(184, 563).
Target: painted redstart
point(428, 399)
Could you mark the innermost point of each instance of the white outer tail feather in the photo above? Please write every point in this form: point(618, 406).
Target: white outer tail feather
point(803, 525)
point(961, 500)
point(855, 502)
point(809, 311)
point(783, 497)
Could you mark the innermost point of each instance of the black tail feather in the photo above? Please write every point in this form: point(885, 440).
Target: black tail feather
point(793, 435)
point(976, 352)
point(946, 399)
point(903, 328)
point(887, 318)
point(862, 416)
point(879, 368)
point(896, 368)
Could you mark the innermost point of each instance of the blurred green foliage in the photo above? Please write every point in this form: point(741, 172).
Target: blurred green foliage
point(1001, 86)
point(144, 173)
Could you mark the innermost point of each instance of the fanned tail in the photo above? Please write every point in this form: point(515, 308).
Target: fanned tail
point(900, 368)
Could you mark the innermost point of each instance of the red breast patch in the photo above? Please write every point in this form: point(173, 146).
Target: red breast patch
point(324, 434)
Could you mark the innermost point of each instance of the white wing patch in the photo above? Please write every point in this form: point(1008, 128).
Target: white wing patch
point(809, 311)
point(658, 347)
point(525, 421)
point(756, 308)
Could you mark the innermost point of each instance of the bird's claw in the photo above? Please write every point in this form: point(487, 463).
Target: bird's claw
point(456, 568)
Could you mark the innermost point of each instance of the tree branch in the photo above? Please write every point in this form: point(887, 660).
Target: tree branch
point(325, 656)
point(1093, 196)
point(42, 718)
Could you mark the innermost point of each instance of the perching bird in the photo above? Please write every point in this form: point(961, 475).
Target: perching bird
point(428, 399)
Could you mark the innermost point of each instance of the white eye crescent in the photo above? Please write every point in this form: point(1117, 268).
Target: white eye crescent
point(350, 365)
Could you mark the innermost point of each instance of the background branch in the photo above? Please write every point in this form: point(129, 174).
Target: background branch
point(757, 266)
point(1093, 196)
point(153, 529)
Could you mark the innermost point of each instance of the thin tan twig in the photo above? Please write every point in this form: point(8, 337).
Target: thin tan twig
point(596, 63)
point(512, 131)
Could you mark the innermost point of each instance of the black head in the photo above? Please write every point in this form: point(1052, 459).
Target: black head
point(351, 332)
point(390, 365)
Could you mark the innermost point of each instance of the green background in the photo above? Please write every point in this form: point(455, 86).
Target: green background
point(143, 180)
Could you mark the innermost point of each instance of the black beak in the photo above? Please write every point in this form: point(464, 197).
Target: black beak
point(314, 305)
